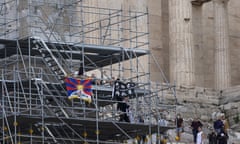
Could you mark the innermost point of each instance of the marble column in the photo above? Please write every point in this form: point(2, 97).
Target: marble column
point(222, 63)
point(181, 43)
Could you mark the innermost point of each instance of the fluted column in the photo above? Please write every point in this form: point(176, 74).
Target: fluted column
point(181, 42)
point(222, 64)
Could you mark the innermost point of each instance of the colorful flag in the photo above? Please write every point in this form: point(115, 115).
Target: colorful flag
point(77, 88)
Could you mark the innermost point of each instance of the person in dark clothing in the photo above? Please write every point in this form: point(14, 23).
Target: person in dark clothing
point(212, 138)
point(222, 137)
point(179, 123)
point(124, 108)
point(194, 125)
point(218, 125)
point(140, 119)
point(80, 71)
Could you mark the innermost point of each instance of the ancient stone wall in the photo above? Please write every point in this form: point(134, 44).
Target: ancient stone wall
point(195, 101)
point(229, 103)
point(206, 104)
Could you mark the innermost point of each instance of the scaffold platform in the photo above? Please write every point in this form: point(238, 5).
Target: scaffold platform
point(107, 130)
point(44, 42)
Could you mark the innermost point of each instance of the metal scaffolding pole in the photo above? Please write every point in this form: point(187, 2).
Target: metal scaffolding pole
point(46, 43)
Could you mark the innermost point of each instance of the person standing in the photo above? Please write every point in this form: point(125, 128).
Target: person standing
point(200, 136)
point(194, 125)
point(218, 124)
point(225, 126)
point(222, 137)
point(225, 123)
point(124, 108)
point(212, 137)
point(179, 123)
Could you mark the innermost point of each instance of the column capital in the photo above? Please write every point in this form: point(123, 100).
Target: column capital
point(199, 2)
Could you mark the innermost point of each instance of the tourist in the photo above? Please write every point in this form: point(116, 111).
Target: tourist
point(194, 125)
point(222, 137)
point(200, 136)
point(225, 123)
point(218, 124)
point(162, 120)
point(179, 124)
point(212, 138)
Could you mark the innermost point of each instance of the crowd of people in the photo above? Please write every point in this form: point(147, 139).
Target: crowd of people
point(221, 127)
point(218, 135)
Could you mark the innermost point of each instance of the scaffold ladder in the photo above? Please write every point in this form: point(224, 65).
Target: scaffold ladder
point(49, 58)
point(39, 82)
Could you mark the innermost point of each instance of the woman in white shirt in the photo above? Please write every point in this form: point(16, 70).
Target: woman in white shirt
point(200, 136)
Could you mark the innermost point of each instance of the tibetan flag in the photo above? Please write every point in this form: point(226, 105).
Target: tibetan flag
point(77, 88)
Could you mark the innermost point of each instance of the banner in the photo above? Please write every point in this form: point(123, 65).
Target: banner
point(77, 88)
point(121, 89)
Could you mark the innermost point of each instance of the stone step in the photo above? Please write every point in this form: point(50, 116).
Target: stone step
point(232, 97)
point(231, 90)
point(232, 94)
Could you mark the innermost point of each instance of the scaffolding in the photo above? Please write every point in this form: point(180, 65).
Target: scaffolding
point(43, 42)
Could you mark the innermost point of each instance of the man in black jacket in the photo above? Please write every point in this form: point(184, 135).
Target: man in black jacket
point(124, 108)
point(194, 125)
